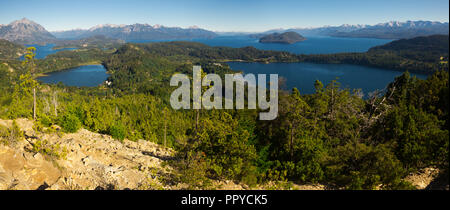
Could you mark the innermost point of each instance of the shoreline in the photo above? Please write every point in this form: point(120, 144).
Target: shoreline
point(94, 63)
point(325, 63)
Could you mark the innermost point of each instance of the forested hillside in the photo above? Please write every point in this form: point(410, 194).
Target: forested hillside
point(421, 54)
point(284, 38)
point(425, 49)
point(99, 41)
point(10, 50)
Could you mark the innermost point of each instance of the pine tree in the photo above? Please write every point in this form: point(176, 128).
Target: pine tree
point(29, 63)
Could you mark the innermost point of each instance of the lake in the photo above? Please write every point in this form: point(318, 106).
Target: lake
point(300, 75)
point(43, 51)
point(303, 75)
point(313, 45)
point(83, 76)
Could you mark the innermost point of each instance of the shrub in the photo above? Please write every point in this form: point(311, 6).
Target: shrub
point(117, 131)
point(10, 135)
point(250, 176)
point(358, 166)
point(70, 123)
point(54, 151)
point(45, 120)
point(4, 134)
point(16, 133)
point(192, 168)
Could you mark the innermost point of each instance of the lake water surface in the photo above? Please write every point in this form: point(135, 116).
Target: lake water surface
point(313, 45)
point(43, 51)
point(303, 75)
point(300, 75)
point(83, 76)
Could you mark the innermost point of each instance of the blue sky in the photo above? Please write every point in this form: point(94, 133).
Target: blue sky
point(225, 15)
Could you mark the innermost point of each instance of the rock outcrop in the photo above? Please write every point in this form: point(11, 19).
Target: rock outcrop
point(91, 161)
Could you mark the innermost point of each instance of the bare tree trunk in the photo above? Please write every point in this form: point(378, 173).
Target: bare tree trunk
point(55, 103)
point(46, 105)
point(165, 128)
point(34, 90)
point(34, 103)
point(165, 133)
point(332, 101)
point(292, 143)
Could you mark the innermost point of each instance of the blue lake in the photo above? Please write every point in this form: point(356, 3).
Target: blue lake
point(83, 76)
point(43, 51)
point(313, 45)
point(300, 75)
point(303, 75)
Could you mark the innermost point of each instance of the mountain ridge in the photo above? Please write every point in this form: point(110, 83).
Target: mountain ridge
point(25, 31)
point(387, 30)
point(136, 31)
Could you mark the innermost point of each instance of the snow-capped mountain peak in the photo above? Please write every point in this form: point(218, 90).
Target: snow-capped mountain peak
point(104, 26)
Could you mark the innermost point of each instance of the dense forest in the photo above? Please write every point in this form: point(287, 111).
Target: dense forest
point(284, 38)
point(420, 54)
point(9, 50)
point(333, 137)
point(98, 41)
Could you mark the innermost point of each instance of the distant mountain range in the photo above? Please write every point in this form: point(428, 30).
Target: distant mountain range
point(28, 32)
point(70, 34)
point(25, 32)
point(389, 30)
point(137, 32)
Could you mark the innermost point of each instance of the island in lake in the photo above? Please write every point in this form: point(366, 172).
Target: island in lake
point(283, 38)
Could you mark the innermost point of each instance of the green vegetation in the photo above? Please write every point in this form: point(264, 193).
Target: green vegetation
point(421, 55)
point(332, 137)
point(190, 50)
point(63, 60)
point(30, 82)
point(10, 135)
point(9, 50)
point(117, 131)
point(70, 123)
point(50, 150)
point(98, 42)
point(284, 38)
point(425, 49)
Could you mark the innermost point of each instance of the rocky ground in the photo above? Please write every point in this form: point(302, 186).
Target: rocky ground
point(429, 179)
point(87, 160)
